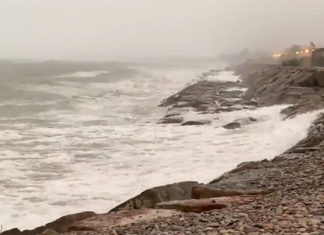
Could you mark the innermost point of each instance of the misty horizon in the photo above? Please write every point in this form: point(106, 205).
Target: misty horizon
point(130, 30)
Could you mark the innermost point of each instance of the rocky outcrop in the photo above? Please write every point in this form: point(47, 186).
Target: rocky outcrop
point(301, 87)
point(274, 84)
point(206, 97)
point(198, 96)
point(314, 140)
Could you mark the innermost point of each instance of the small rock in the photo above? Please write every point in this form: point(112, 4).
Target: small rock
point(284, 224)
point(279, 211)
point(213, 225)
point(245, 216)
point(49, 232)
point(258, 226)
point(267, 226)
point(203, 220)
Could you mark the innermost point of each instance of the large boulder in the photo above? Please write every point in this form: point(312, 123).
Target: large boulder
point(150, 197)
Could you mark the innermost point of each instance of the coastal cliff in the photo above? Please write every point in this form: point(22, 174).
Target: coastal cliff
point(282, 195)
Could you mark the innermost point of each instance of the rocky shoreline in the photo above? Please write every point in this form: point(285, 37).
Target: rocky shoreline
point(281, 196)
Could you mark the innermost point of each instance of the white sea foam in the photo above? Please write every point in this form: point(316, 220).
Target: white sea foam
point(225, 76)
point(107, 147)
point(237, 89)
point(83, 74)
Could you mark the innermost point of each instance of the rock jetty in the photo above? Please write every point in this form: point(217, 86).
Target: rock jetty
point(284, 195)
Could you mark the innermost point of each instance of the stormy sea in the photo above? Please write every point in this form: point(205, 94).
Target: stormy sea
point(84, 136)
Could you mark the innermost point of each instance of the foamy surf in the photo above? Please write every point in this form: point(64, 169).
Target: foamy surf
point(83, 74)
point(106, 146)
point(223, 76)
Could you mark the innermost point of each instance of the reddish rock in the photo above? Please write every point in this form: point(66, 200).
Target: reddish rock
point(60, 225)
point(207, 191)
point(200, 205)
point(120, 218)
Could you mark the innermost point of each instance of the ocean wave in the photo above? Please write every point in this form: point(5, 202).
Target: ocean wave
point(83, 74)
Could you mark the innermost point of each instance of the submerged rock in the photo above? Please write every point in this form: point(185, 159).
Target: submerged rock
point(245, 121)
point(172, 115)
point(171, 120)
point(238, 123)
point(195, 123)
point(232, 125)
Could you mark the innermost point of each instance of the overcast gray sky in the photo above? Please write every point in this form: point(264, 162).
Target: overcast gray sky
point(106, 29)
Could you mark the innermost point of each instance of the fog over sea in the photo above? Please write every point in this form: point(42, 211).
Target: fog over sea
point(84, 136)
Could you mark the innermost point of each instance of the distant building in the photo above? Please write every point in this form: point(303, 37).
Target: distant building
point(298, 55)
